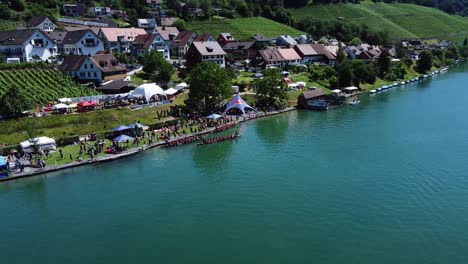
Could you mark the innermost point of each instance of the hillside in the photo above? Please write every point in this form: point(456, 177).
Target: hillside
point(399, 20)
point(41, 86)
point(243, 28)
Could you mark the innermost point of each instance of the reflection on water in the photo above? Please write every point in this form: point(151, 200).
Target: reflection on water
point(34, 189)
point(273, 130)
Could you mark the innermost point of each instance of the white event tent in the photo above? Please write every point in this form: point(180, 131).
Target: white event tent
point(44, 143)
point(171, 91)
point(147, 91)
point(181, 86)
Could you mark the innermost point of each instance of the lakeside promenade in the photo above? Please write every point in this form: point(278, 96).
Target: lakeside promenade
point(30, 172)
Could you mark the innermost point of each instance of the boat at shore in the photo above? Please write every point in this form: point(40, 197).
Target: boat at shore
point(319, 104)
point(372, 91)
point(219, 139)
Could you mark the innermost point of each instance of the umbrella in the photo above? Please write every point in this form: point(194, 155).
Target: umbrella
point(214, 116)
point(121, 128)
point(123, 138)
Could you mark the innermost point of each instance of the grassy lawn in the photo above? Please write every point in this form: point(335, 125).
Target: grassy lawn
point(58, 126)
point(400, 20)
point(243, 28)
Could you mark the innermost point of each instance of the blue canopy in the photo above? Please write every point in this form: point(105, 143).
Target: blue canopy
point(214, 116)
point(121, 128)
point(136, 125)
point(239, 103)
point(2, 162)
point(123, 138)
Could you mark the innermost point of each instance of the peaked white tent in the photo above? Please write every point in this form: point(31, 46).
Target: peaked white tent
point(60, 106)
point(44, 143)
point(147, 91)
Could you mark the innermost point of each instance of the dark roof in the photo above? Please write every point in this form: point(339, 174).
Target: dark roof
point(313, 94)
point(202, 37)
point(322, 50)
point(270, 55)
point(16, 37)
point(107, 63)
point(72, 63)
point(144, 41)
point(36, 21)
point(116, 85)
point(73, 37)
point(260, 37)
point(238, 45)
point(182, 38)
point(56, 36)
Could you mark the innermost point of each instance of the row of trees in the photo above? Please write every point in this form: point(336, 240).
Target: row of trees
point(210, 87)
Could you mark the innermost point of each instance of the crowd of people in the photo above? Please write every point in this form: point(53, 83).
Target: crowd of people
point(219, 139)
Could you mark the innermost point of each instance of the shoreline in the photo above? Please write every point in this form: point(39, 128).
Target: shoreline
point(128, 153)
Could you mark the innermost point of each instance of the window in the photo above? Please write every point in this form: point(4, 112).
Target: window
point(91, 66)
point(86, 66)
point(89, 74)
point(95, 75)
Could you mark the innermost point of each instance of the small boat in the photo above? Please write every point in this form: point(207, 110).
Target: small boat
point(444, 69)
point(354, 102)
point(395, 84)
point(372, 91)
point(379, 89)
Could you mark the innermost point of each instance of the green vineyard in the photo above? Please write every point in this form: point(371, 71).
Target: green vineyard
point(42, 85)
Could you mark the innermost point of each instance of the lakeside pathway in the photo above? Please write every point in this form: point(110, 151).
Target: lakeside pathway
point(29, 172)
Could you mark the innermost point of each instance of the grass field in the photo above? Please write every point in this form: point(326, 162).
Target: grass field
point(400, 20)
point(243, 28)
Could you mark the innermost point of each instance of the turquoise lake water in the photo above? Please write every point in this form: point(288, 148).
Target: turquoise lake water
point(385, 181)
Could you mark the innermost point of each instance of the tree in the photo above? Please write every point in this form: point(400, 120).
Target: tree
point(425, 61)
point(159, 69)
point(5, 12)
point(17, 5)
point(243, 9)
point(209, 86)
point(341, 55)
point(384, 63)
point(13, 103)
point(271, 90)
point(345, 74)
point(180, 24)
point(121, 57)
point(355, 42)
point(465, 42)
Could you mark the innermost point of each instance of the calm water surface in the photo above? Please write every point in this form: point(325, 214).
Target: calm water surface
point(385, 181)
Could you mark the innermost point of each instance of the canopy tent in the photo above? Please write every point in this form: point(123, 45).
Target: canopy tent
point(138, 125)
point(65, 100)
point(123, 138)
point(171, 91)
point(258, 75)
point(147, 91)
point(303, 84)
point(351, 89)
point(3, 168)
point(214, 116)
point(336, 91)
point(60, 106)
point(87, 104)
point(238, 103)
point(284, 73)
point(44, 143)
point(181, 86)
point(121, 128)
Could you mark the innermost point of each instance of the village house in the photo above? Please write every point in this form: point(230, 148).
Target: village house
point(241, 51)
point(224, 38)
point(147, 42)
point(363, 51)
point(285, 40)
point(154, 4)
point(169, 34)
point(204, 38)
point(101, 12)
point(209, 51)
point(79, 42)
point(314, 53)
point(148, 24)
point(42, 23)
point(119, 39)
point(306, 99)
point(98, 68)
point(277, 57)
point(261, 41)
point(182, 42)
point(73, 10)
point(302, 39)
point(25, 45)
